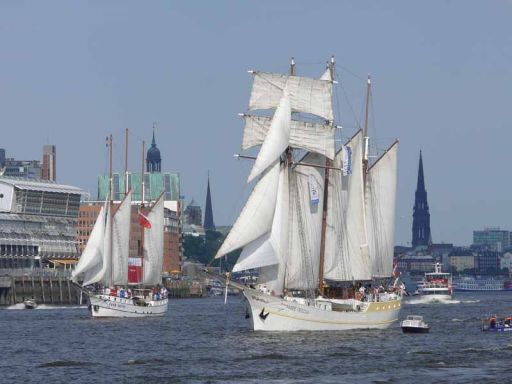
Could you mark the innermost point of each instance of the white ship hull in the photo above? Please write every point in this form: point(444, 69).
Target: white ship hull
point(110, 306)
point(269, 313)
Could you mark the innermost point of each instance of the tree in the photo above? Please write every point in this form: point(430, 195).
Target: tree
point(204, 249)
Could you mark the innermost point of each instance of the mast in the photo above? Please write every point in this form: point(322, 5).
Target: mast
point(365, 131)
point(126, 162)
point(328, 165)
point(110, 204)
point(142, 211)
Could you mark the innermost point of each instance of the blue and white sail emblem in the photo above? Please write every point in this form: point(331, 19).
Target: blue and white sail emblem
point(313, 191)
point(347, 161)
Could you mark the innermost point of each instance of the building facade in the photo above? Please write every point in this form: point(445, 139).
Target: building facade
point(37, 221)
point(493, 237)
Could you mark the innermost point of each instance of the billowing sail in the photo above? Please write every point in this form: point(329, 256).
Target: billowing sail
point(313, 137)
point(256, 217)
point(346, 245)
point(380, 211)
point(121, 241)
point(154, 244)
point(91, 259)
point(306, 195)
point(269, 252)
point(306, 94)
point(101, 271)
point(276, 140)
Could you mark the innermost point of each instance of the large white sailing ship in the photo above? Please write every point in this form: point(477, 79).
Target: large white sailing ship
point(320, 230)
point(103, 265)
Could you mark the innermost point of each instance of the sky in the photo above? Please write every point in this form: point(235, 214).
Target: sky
point(73, 72)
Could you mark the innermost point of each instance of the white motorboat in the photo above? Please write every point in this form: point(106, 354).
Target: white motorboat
point(30, 304)
point(414, 324)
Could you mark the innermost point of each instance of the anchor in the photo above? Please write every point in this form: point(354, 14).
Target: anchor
point(263, 316)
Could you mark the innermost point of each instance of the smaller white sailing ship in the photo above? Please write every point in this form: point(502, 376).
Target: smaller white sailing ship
point(103, 264)
point(436, 286)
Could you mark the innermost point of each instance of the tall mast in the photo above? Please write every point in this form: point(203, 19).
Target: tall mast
point(328, 164)
point(365, 131)
point(142, 211)
point(126, 162)
point(110, 182)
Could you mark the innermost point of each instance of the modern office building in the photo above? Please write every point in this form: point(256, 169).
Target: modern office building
point(37, 223)
point(493, 237)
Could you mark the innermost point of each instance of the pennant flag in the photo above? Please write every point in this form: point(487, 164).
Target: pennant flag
point(144, 221)
point(347, 161)
point(313, 191)
point(396, 272)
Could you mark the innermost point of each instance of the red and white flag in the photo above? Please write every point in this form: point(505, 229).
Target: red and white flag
point(144, 221)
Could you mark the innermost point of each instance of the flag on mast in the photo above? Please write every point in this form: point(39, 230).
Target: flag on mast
point(144, 221)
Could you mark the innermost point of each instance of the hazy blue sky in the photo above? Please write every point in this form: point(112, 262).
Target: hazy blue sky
point(72, 72)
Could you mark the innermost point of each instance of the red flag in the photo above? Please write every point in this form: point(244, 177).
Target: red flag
point(144, 221)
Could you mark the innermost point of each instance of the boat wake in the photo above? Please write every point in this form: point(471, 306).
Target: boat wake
point(45, 306)
point(436, 301)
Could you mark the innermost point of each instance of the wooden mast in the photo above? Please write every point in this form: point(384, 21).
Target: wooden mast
point(365, 131)
point(142, 212)
point(328, 165)
point(110, 198)
point(126, 162)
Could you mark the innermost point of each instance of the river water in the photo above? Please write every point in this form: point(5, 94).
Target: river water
point(205, 341)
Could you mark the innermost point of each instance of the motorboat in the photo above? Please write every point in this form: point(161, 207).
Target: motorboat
point(494, 324)
point(30, 304)
point(414, 324)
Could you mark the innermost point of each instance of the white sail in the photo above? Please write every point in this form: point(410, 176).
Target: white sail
point(276, 140)
point(256, 217)
point(380, 211)
point(91, 259)
point(346, 250)
point(309, 136)
point(306, 94)
point(258, 253)
point(121, 241)
point(303, 263)
point(100, 272)
point(272, 266)
point(154, 244)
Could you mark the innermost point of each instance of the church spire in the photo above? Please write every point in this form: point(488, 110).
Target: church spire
point(208, 212)
point(421, 216)
point(153, 158)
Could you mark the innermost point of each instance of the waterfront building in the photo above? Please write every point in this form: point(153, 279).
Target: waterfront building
point(421, 215)
point(488, 262)
point(208, 211)
point(416, 264)
point(89, 211)
point(193, 214)
point(493, 238)
point(462, 259)
point(37, 223)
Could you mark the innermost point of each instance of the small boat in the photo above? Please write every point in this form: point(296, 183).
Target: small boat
point(30, 304)
point(493, 324)
point(414, 324)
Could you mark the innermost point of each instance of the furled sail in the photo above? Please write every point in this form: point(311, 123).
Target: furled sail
point(380, 211)
point(313, 137)
point(154, 244)
point(277, 138)
point(121, 241)
point(91, 259)
point(346, 245)
point(256, 217)
point(306, 94)
point(306, 200)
